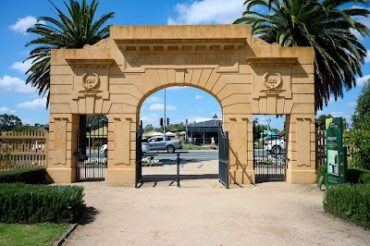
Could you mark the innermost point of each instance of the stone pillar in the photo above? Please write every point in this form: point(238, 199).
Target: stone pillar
point(121, 149)
point(300, 140)
point(62, 148)
point(240, 131)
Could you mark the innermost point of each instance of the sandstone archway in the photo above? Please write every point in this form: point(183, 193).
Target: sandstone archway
point(246, 75)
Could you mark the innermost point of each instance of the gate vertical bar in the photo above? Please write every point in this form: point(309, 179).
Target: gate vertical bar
point(223, 152)
point(139, 176)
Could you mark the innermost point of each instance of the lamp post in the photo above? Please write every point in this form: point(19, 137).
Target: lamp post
point(165, 118)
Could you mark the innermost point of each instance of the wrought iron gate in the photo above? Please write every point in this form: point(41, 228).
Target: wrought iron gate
point(92, 149)
point(269, 156)
point(223, 157)
point(139, 153)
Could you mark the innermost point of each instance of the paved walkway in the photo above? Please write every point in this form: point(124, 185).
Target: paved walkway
point(204, 213)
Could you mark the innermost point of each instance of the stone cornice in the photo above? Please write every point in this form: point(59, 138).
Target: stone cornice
point(88, 56)
point(272, 60)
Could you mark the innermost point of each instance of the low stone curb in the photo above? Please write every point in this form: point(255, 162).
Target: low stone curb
point(64, 237)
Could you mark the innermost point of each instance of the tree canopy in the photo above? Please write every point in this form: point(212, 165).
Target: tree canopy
point(329, 26)
point(74, 28)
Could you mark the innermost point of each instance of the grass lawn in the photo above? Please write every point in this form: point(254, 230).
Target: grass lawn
point(34, 234)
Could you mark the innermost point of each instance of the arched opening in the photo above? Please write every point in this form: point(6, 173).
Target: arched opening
point(179, 122)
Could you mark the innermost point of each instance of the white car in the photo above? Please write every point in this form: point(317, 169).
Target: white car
point(104, 149)
point(144, 146)
point(275, 145)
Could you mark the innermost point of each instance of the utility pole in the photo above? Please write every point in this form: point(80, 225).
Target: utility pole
point(165, 118)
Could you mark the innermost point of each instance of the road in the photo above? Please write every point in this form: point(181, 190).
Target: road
point(202, 155)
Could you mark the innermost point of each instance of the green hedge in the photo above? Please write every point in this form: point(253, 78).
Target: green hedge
point(359, 176)
point(349, 202)
point(28, 176)
point(321, 170)
point(22, 203)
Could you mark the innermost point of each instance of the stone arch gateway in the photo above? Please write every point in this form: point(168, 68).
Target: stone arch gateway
point(245, 74)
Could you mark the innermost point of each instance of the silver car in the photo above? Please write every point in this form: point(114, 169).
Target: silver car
point(164, 143)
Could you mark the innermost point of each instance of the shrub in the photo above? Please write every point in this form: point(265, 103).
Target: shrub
point(22, 203)
point(321, 170)
point(28, 176)
point(365, 178)
point(358, 176)
point(349, 202)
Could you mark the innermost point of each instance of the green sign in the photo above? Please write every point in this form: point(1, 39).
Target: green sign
point(336, 154)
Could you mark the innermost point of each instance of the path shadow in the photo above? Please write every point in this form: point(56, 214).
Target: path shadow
point(170, 177)
point(89, 216)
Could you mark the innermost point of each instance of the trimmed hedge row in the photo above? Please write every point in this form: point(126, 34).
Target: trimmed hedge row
point(349, 202)
point(359, 176)
point(22, 203)
point(28, 176)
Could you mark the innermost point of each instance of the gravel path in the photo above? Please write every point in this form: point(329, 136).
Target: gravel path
point(204, 213)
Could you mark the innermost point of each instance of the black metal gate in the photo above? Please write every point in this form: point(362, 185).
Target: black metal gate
point(139, 155)
point(92, 148)
point(223, 157)
point(269, 155)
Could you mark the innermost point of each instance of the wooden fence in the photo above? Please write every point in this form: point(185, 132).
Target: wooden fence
point(320, 146)
point(23, 149)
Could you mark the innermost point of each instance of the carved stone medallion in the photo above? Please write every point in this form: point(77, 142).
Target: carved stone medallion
point(272, 81)
point(90, 81)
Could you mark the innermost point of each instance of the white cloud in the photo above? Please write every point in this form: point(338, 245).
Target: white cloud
point(150, 119)
point(6, 110)
point(367, 58)
point(198, 97)
point(21, 66)
point(352, 104)
point(341, 114)
point(37, 103)
point(153, 99)
point(361, 81)
point(192, 119)
point(198, 118)
point(24, 23)
point(160, 106)
point(207, 12)
point(14, 84)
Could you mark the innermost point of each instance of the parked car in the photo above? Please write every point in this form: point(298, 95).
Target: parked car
point(104, 150)
point(145, 146)
point(275, 145)
point(164, 143)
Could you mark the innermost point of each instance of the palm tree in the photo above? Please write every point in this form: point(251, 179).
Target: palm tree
point(329, 26)
point(74, 29)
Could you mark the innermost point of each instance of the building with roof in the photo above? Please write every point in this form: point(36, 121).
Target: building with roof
point(201, 133)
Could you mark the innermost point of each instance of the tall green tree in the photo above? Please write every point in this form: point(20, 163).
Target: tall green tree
point(326, 25)
point(8, 122)
point(322, 119)
point(74, 28)
point(361, 116)
point(359, 136)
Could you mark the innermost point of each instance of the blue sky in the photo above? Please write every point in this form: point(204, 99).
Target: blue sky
point(185, 103)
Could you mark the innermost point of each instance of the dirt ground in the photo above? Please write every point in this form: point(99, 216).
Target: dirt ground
point(202, 212)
